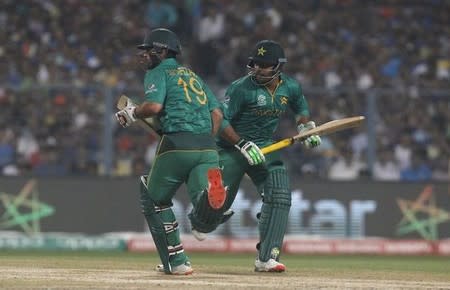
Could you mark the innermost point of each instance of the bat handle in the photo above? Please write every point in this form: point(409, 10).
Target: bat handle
point(278, 145)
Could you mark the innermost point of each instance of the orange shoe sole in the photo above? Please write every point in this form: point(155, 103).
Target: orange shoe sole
point(278, 269)
point(216, 191)
point(184, 273)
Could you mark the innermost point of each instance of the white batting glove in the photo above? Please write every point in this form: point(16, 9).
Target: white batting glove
point(126, 116)
point(313, 140)
point(250, 151)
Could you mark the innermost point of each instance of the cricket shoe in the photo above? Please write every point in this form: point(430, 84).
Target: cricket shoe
point(200, 236)
point(183, 269)
point(270, 266)
point(217, 193)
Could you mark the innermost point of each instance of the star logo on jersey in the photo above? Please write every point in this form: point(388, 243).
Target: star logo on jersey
point(151, 88)
point(24, 209)
point(421, 215)
point(284, 100)
point(261, 51)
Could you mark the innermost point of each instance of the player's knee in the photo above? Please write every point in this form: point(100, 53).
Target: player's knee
point(281, 199)
point(276, 189)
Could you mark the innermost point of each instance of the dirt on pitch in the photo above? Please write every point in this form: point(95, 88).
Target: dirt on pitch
point(29, 277)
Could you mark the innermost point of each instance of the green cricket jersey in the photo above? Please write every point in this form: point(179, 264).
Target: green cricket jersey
point(254, 112)
point(186, 98)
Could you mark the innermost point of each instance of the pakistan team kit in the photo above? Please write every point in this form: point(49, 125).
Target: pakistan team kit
point(252, 110)
point(254, 113)
point(186, 152)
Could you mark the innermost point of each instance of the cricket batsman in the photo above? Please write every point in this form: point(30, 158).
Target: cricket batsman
point(252, 109)
point(190, 116)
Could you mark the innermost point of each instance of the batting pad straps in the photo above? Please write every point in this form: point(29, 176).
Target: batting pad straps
point(177, 249)
point(170, 227)
point(159, 209)
point(155, 225)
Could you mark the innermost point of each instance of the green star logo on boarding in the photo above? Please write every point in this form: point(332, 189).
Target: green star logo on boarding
point(421, 216)
point(261, 51)
point(23, 209)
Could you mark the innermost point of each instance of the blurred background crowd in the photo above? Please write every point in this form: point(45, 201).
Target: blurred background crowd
point(59, 58)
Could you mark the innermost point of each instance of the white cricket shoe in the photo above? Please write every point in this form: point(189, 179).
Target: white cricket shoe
point(199, 235)
point(183, 269)
point(269, 266)
point(202, 236)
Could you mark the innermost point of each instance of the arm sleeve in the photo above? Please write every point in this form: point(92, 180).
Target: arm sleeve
point(231, 107)
point(213, 103)
point(155, 87)
point(298, 102)
point(225, 123)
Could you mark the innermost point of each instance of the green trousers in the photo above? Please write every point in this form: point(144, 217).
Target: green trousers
point(180, 159)
point(272, 184)
point(235, 166)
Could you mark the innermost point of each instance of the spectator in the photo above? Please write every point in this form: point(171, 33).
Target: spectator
point(351, 48)
point(211, 29)
point(49, 164)
point(385, 167)
point(403, 151)
point(345, 167)
point(27, 146)
point(418, 170)
point(7, 151)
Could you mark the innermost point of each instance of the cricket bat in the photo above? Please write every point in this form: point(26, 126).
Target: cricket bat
point(150, 124)
point(324, 129)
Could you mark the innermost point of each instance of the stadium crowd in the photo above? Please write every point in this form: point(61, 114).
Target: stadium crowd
point(341, 51)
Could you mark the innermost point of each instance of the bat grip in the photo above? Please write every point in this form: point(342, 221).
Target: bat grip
point(278, 145)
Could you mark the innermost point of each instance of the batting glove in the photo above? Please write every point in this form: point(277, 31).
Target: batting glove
point(126, 116)
point(250, 151)
point(313, 140)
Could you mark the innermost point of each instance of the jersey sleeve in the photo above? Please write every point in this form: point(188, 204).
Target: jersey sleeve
point(155, 87)
point(298, 102)
point(231, 106)
point(213, 103)
point(225, 123)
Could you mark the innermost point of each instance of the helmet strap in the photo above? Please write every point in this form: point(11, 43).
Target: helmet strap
point(156, 57)
point(268, 79)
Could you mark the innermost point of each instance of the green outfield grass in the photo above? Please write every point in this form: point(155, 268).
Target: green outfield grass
point(85, 270)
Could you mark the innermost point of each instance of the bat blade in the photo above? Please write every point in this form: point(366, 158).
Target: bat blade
point(151, 125)
point(324, 129)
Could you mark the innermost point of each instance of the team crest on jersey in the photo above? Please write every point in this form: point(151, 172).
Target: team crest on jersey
point(261, 101)
point(151, 88)
point(284, 100)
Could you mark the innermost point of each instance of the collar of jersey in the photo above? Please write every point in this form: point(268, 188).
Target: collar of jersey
point(168, 62)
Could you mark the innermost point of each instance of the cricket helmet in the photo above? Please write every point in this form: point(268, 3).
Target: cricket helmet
point(161, 38)
point(267, 53)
